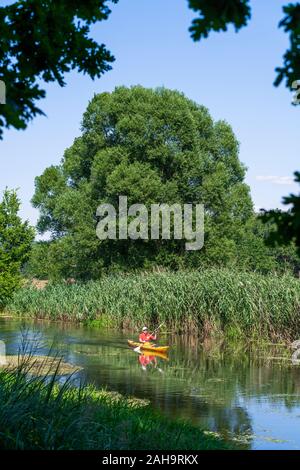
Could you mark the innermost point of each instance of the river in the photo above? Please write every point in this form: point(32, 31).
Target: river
point(252, 396)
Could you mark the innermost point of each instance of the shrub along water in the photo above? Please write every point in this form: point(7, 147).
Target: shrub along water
point(212, 301)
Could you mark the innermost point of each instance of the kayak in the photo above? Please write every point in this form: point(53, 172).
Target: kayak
point(148, 347)
point(161, 355)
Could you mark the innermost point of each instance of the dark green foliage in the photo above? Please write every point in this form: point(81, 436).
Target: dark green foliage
point(290, 71)
point(153, 146)
point(286, 225)
point(37, 265)
point(15, 243)
point(215, 15)
point(46, 39)
point(43, 40)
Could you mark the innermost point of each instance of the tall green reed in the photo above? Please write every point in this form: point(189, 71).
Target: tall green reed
point(212, 301)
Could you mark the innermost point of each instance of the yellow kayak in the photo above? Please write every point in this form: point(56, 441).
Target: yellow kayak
point(148, 347)
point(161, 355)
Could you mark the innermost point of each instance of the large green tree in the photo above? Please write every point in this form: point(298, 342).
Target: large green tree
point(15, 242)
point(153, 146)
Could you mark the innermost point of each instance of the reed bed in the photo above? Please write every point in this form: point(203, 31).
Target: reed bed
point(210, 302)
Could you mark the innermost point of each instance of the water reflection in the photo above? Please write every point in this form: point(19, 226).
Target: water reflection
point(248, 394)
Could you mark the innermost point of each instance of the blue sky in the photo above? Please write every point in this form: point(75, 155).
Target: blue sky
point(232, 74)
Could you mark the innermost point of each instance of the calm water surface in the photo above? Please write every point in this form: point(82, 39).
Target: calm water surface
point(253, 397)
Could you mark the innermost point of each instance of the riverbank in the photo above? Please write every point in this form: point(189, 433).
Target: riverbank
point(209, 303)
point(36, 413)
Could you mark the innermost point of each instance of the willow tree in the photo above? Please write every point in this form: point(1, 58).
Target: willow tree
point(153, 146)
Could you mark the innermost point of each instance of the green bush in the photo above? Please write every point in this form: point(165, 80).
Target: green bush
point(15, 242)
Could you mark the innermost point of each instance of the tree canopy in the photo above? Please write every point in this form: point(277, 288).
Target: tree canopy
point(153, 146)
point(43, 40)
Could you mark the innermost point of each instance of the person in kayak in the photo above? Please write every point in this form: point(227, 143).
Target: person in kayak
point(145, 336)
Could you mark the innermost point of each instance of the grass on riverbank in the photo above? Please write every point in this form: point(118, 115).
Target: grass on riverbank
point(212, 301)
point(36, 413)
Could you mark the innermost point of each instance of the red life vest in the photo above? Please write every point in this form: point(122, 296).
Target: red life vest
point(145, 337)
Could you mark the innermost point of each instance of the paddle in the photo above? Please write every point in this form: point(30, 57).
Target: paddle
point(157, 328)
